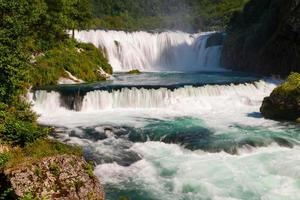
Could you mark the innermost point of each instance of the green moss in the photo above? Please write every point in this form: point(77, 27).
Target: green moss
point(81, 60)
point(78, 184)
point(89, 169)
point(54, 169)
point(29, 196)
point(39, 149)
point(298, 120)
point(284, 101)
point(4, 158)
point(134, 71)
point(38, 172)
point(291, 88)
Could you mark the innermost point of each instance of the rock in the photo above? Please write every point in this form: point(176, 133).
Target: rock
point(284, 102)
point(69, 79)
point(264, 38)
point(134, 71)
point(60, 177)
point(215, 39)
point(103, 74)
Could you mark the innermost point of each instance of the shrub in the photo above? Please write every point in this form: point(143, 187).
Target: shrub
point(81, 60)
point(4, 157)
point(39, 149)
point(18, 124)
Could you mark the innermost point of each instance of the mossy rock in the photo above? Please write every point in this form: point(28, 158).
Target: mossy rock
point(135, 71)
point(284, 101)
point(54, 177)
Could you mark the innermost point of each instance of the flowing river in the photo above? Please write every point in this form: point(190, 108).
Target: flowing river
point(184, 129)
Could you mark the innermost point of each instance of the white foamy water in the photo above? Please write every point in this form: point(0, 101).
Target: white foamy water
point(204, 97)
point(171, 51)
point(169, 172)
point(219, 106)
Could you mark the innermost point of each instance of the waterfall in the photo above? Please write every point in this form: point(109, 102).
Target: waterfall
point(166, 51)
point(99, 100)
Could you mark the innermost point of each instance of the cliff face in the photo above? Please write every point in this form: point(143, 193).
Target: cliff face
point(264, 38)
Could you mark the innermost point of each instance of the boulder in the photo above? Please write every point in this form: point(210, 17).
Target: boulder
point(215, 39)
point(284, 101)
point(59, 177)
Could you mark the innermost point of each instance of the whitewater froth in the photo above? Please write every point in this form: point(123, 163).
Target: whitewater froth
point(166, 51)
point(133, 98)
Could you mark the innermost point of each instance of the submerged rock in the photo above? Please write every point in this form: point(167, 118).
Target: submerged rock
point(284, 102)
point(59, 177)
point(134, 71)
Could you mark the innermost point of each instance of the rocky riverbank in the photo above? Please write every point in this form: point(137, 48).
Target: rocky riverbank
point(47, 169)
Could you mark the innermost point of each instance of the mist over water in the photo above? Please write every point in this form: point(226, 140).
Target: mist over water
point(165, 51)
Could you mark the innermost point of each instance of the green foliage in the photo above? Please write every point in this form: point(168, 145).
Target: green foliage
point(28, 196)
point(57, 16)
point(40, 149)
point(290, 88)
point(18, 124)
point(4, 158)
point(5, 194)
point(160, 14)
point(81, 60)
point(54, 169)
point(30, 26)
point(89, 169)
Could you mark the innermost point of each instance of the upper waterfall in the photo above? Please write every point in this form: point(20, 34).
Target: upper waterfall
point(166, 51)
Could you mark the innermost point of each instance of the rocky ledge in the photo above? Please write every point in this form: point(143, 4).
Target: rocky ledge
point(59, 177)
point(284, 102)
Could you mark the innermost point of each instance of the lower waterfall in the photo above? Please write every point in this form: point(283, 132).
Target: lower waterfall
point(98, 100)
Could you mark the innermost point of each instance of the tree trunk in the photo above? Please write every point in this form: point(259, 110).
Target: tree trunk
point(73, 33)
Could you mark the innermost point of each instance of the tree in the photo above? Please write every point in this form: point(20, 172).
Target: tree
point(79, 14)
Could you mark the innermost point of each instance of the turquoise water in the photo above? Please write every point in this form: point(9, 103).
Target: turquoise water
point(205, 142)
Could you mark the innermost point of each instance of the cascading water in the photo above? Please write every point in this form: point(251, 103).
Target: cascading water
point(100, 100)
point(166, 51)
point(173, 136)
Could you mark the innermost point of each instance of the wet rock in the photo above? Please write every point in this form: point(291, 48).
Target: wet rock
point(215, 39)
point(59, 177)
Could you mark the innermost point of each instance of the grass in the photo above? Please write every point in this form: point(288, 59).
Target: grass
point(80, 59)
point(36, 151)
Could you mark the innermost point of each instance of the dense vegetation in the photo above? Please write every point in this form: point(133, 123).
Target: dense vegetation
point(36, 50)
point(81, 60)
point(189, 15)
point(284, 101)
point(264, 38)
